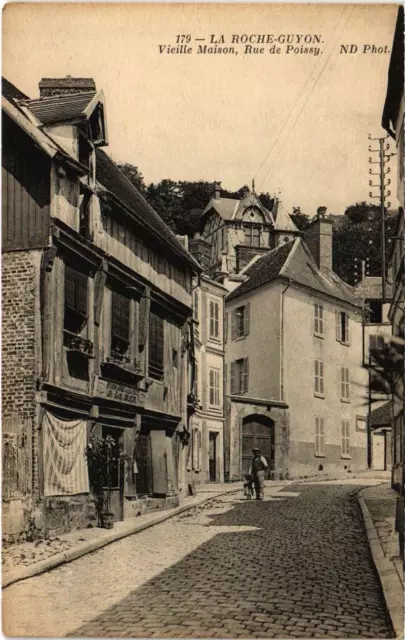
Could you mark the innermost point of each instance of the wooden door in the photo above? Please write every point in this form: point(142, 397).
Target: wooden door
point(212, 456)
point(144, 465)
point(257, 432)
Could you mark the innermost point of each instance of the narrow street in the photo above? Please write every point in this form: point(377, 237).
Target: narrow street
point(296, 565)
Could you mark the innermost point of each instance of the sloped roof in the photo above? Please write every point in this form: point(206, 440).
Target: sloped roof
point(294, 261)
point(113, 179)
point(231, 209)
point(283, 221)
point(60, 108)
point(381, 416)
point(10, 106)
point(263, 270)
point(371, 287)
point(226, 207)
point(11, 92)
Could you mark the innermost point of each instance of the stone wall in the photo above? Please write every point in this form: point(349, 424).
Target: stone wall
point(22, 516)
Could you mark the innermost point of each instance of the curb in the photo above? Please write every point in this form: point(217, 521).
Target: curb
point(389, 578)
point(93, 545)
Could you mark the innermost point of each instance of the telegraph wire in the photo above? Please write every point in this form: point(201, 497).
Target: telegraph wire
point(298, 97)
point(309, 95)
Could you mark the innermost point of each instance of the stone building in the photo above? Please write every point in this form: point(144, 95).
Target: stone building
point(206, 454)
point(232, 232)
point(96, 324)
point(376, 330)
point(393, 123)
point(294, 379)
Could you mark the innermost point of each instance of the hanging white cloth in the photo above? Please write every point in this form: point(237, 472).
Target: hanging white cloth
point(65, 463)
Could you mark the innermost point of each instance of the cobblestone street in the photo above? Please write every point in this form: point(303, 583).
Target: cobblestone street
point(296, 565)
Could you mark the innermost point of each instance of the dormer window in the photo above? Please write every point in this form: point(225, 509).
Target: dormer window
point(252, 236)
point(97, 125)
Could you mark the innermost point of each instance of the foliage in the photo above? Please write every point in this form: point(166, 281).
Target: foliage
point(181, 203)
point(359, 237)
point(387, 367)
point(104, 455)
point(134, 175)
point(301, 220)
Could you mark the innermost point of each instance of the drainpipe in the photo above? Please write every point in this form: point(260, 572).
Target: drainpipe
point(282, 341)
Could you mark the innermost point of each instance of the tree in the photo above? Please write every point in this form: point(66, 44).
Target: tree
point(301, 220)
point(359, 237)
point(134, 175)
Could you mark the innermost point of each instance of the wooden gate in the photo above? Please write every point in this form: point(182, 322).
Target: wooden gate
point(257, 431)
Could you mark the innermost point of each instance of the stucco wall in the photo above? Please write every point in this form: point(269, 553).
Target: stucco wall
point(301, 348)
point(261, 346)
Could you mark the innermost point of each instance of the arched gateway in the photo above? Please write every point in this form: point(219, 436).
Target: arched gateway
point(257, 431)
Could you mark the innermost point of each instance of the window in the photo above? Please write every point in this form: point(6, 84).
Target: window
point(319, 437)
point(375, 313)
point(196, 380)
point(342, 327)
point(376, 343)
point(344, 384)
point(240, 376)
point(214, 388)
point(195, 306)
point(214, 319)
point(252, 236)
point(345, 439)
point(196, 447)
point(319, 387)
point(318, 319)
point(76, 296)
point(120, 306)
point(155, 347)
point(240, 322)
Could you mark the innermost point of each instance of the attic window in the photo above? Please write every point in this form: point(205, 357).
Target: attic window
point(84, 150)
point(97, 124)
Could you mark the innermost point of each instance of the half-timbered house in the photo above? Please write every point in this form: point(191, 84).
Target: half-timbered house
point(96, 318)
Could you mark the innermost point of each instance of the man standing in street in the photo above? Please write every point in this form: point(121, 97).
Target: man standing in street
point(257, 469)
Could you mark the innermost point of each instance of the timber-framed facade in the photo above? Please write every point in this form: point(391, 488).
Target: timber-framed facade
point(106, 298)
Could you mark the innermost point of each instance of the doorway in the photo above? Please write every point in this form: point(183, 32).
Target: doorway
point(212, 456)
point(116, 498)
point(257, 432)
point(143, 458)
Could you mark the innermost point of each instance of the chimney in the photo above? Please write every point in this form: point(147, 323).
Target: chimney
point(216, 192)
point(318, 238)
point(63, 86)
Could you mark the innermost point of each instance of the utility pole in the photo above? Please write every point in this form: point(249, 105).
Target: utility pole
point(384, 182)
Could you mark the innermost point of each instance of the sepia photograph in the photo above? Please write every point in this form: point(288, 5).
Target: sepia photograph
point(202, 320)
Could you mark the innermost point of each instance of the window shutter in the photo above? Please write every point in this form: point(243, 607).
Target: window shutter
point(225, 326)
point(144, 312)
point(233, 325)
point(247, 319)
point(70, 286)
point(211, 317)
point(82, 293)
point(317, 435)
point(120, 316)
point(233, 365)
point(347, 328)
point(322, 435)
point(321, 376)
point(245, 379)
point(225, 378)
point(211, 390)
point(338, 326)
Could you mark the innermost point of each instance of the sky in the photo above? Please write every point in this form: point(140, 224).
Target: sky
point(296, 123)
